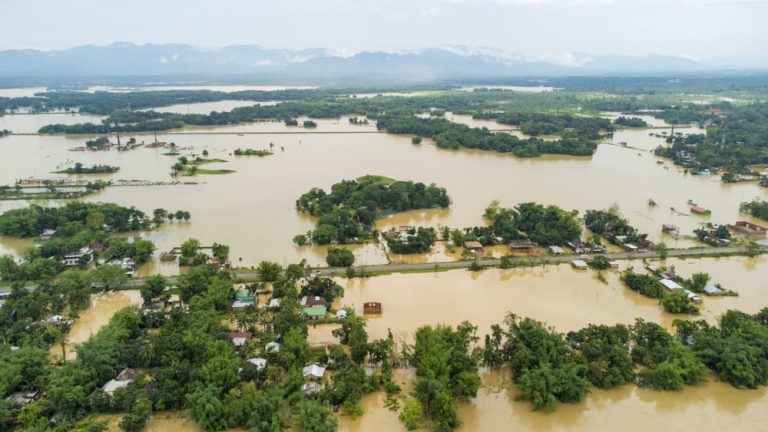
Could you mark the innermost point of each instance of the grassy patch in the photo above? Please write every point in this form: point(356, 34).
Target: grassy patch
point(375, 179)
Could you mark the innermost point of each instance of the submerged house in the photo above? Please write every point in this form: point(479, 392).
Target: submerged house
point(473, 246)
point(371, 308)
point(579, 264)
point(748, 229)
point(670, 284)
point(701, 211)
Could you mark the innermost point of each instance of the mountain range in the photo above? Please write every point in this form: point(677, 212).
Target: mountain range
point(318, 65)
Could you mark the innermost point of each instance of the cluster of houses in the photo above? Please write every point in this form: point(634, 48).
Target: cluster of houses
point(586, 248)
point(667, 279)
point(402, 232)
point(163, 303)
point(313, 373)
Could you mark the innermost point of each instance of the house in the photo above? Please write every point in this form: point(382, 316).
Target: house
point(239, 305)
point(245, 296)
point(473, 246)
point(521, 245)
point(259, 362)
point(313, 301)
point(239, 339)
point(173, 300)
point(110, 386)
point(272, 347)
point(693, 297)
point(23, 398)
point(670, 229)
point(127, 374)
point(314, 312)
point(631, 247)
point(128, 265)
point(579, 264)
point(712, 290)
point(155, 303)
point(701, 211)
point(556, 250)
point(123, 379)
point(670, 284)
point(341, 313)
point(613, 264)
point(313, 372)
point(371, 308)
point(748, 229)
point(274, 303)
point(310, 388)
point(47, 234)
point(73, 259)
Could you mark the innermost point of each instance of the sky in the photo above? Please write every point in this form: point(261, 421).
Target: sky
point(729, 31)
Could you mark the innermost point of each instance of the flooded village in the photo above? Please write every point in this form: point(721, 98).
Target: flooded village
point(693, 223)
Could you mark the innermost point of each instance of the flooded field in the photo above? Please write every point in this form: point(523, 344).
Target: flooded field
point(252, 210)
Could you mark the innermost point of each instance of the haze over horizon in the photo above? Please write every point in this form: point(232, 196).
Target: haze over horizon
point(556, 31)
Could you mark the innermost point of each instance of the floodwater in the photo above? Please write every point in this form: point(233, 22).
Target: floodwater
point(557, 295)
point(102, 308)
point(252, 210)
point(713, 406)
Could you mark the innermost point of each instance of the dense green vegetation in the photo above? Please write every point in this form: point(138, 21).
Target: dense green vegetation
point(446, 369)
point(184, 358)
point(734, 140)
point(71, 218)
point(339, 257)
point(77, 225)
point(612, 226)
point(632, 122)
point(757, 208)
point(546, 226)
point(347, 213)
point(94, 169)
point(540, 123)
point(447, 134)
point(736, 350)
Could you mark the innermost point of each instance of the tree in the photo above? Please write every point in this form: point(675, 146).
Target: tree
point(313, 416)
point(206, 409)
point(154, 286)
point(269, 271)
point(662, 250)
point(108, 277)
point(189, 248)
point(411, 413)
point(677, 301)
point(753, 249)
point(221, 252)
point(339, 257)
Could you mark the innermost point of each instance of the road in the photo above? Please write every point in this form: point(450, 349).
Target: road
point(446, 265)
